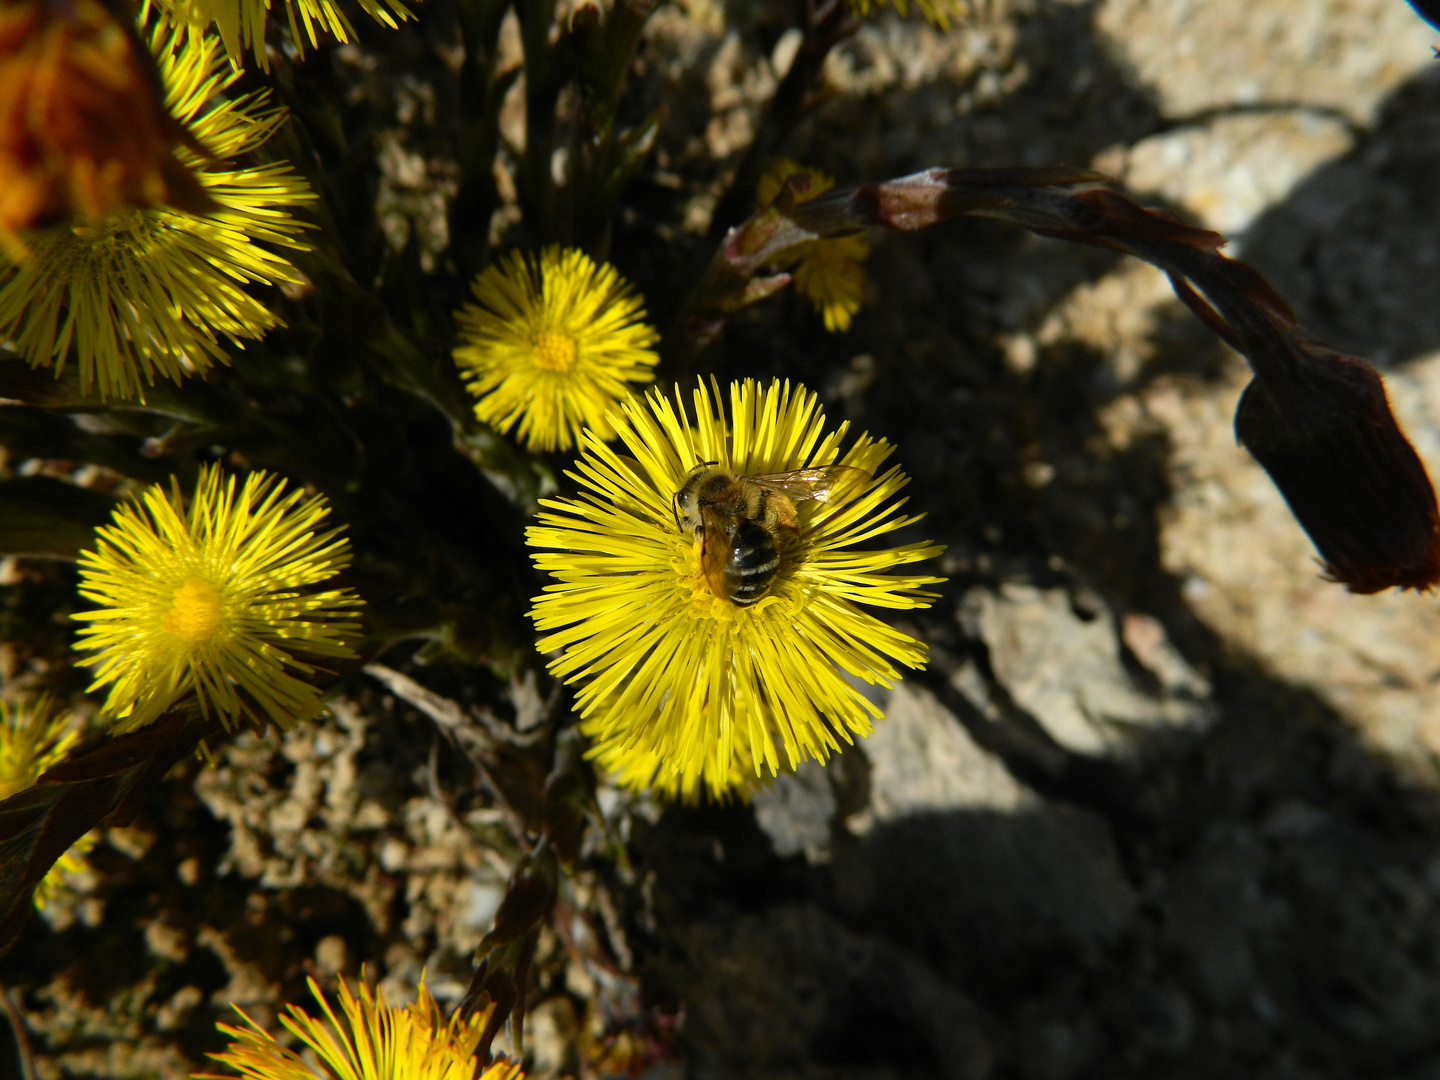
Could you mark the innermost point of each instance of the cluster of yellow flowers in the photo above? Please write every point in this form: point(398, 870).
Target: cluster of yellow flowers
point(555, 341)
point(708, 596)
point(707, 590)
point(687, 685)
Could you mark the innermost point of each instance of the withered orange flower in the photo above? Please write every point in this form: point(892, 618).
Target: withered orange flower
point(83, 127)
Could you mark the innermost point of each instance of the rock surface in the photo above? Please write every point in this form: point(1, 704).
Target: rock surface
point(1174, 816)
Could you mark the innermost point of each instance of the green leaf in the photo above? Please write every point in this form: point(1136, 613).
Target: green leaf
point(45, 517)
point(40, 387)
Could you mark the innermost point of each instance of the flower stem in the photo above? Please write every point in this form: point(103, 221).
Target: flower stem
point(22, 1040)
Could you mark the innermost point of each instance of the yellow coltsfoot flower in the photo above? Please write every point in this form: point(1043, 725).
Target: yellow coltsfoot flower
point(829, 273)
point(153, 292)
point(33, 738)
point(551, 344)
point(369, 1040)
point(691, 679)
point(211, 600)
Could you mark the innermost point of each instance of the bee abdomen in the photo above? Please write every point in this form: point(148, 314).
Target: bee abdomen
point(753, 562)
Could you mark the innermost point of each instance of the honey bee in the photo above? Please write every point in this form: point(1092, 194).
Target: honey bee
point(742, 521)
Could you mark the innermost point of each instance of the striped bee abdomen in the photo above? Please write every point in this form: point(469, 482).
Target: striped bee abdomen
point(753, 561)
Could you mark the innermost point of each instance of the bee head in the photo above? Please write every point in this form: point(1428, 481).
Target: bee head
point(686, 491)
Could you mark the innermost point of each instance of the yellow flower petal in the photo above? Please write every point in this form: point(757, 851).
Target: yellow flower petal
point(368, 1040)
point(32, 739)
point(686, 691)
point(829, 273)
point(241, 23)
point(775, 175)
point(69, 865)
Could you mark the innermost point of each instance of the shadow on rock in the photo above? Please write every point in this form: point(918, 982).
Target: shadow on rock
point(1269, 905)
point(1356, 247)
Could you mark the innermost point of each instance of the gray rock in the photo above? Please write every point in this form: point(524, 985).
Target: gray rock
point(796, 994)
point(1067, 671)
point(922, 760)
point(795, 810)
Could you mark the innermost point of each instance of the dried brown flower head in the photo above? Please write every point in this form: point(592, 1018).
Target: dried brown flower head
point(1326, 435)
point(83, 127)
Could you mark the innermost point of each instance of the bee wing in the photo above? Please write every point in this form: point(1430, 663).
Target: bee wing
point(715, 552)
point(819, 484)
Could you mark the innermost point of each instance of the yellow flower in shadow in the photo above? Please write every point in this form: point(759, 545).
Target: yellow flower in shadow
point(154, 292)
point(34, 738)
point(829, 273)
point(241, 23)
point(551, 344)
point(214, 600)
point(680, 688)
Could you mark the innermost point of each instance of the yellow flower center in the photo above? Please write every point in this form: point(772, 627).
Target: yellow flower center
point(704, 604)
point(554, 351)
point(197, 612)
